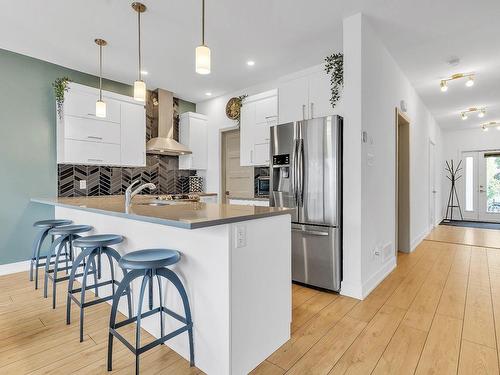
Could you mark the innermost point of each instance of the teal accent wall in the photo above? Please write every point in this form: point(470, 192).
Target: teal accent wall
point(28, 145)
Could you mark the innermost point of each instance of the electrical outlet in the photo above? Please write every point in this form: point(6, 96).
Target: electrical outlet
point(83, 184)
point(241, 236)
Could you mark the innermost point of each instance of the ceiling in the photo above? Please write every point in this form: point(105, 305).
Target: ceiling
point(281, 36)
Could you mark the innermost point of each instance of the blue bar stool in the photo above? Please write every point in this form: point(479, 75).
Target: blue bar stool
point(63, 245)
point(44, 226)
point(147, 264)
point(93, 247)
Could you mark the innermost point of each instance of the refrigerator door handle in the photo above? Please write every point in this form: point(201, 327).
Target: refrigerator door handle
point(311, 232)
point(300, 170)
point(294, 171)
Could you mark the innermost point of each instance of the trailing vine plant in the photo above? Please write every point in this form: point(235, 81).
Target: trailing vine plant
point(60, 86)
point(334, 65)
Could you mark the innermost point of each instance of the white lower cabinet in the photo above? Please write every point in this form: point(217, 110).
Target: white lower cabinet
point(208, 198)
point(249, 202)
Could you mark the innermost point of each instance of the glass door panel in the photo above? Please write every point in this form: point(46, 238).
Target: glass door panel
point(489, 187)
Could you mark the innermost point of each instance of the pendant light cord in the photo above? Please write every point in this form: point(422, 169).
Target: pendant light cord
point(202, 22)
point(100, 72)
point(139, 26)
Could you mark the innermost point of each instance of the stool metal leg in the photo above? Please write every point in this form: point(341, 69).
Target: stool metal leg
point(52, 250)
point(172, 276)
point(160, 293)
point(125, 284)
point(147, 278)
point(35, 260)
point(90, 263)
point(79, 259)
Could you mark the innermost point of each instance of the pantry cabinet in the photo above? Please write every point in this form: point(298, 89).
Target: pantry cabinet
point(258, 113)
point(83, 138)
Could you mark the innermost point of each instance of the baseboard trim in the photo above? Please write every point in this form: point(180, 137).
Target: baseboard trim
point(378, 277)
point(351, 290)
point(7, 269)
point(419, 239)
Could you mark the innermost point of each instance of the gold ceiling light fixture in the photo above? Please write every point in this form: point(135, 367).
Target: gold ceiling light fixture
point(100, 105)
point(139, 85)
point(202, 52)
point(491, 124)
point(481, 112)
point(468, 76)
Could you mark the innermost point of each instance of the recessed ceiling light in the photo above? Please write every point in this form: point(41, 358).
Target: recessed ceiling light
point(250, 63)
point(144, 72)
point(208, 94)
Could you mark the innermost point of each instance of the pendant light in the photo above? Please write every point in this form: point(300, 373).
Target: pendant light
point(139, 85)
point(202, 52)
point(100, 105)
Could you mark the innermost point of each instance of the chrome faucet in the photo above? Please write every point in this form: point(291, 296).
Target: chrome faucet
point(129, 194)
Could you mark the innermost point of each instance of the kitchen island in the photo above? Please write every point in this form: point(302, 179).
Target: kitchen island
point(235, 266)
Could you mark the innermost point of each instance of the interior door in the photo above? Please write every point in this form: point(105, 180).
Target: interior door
point(238, 181)
point(481, 185)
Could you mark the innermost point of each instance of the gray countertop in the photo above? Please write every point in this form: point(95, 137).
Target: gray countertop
point(188, 215)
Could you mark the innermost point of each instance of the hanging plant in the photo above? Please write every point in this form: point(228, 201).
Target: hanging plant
point(334, 65)
point(233, 108)
point(60, 86)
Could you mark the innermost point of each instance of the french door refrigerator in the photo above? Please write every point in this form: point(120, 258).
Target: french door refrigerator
point(306, 174)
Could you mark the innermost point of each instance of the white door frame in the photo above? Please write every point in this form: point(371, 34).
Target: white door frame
point(432, 184)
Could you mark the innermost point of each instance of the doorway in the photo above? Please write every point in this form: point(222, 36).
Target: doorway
point(480, 186)
point(403, 239)
point(236, 181)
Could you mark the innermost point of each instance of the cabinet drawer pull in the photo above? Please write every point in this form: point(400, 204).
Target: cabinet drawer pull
point(95, 160)
point(268, 117)
point(93, 137)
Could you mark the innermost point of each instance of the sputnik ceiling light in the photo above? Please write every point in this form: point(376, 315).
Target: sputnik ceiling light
point(202, 52)
point(491, 124)
point(100, 105)
point(469, 76)
point(481, 112)
point(139, 85)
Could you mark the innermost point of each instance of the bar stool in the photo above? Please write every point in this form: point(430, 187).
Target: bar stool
point(147, 264)
point(63, 245)
point(93, 247)
point(44, 227)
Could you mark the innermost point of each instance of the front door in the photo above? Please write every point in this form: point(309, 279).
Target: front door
point(481, 185)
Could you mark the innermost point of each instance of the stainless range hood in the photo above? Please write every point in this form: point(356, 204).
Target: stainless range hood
point(165, 144)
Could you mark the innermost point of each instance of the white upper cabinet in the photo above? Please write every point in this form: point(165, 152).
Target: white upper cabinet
point(133, 135)
point(258, 113)
point(193, 133)
point(118, 139)
point(306, 97)
point(293, 100)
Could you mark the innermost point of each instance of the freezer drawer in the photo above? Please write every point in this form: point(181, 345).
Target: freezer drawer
point(316, 256)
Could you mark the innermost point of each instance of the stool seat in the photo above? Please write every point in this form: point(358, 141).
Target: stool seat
point(149, 259)
point(52, 223)
point(98, 240)
point(70, 229)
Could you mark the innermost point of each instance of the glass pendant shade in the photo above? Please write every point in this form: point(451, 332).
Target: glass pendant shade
point(100, 108)
point(139, 91)
point(202, 60)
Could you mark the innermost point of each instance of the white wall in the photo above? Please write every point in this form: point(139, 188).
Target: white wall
point(457, 141)
point(370, 103)
point(215, 109)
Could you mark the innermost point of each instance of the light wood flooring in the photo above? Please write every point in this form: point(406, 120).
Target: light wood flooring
point(438, 312)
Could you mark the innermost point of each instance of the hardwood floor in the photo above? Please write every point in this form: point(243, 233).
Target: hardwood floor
point(438, 312)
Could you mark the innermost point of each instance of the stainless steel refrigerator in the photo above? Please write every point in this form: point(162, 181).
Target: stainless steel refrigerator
point(306, 174)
